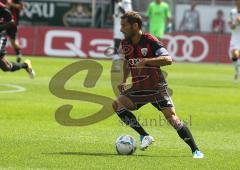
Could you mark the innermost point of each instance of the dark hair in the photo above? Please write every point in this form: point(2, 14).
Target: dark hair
point(133, 17)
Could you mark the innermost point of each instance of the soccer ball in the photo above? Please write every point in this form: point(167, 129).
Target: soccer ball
point(125, 145)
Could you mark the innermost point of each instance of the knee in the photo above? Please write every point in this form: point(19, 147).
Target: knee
point(235, 55)
point(116, 105)
point(174, 120)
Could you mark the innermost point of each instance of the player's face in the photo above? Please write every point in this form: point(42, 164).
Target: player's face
point(126, 28)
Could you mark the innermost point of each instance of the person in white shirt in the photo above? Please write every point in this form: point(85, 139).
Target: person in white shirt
point(120, 8)
point(234, 24)
point(191, 20)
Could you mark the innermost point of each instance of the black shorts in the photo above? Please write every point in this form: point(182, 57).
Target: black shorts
point(12, 32)
point(159, 98)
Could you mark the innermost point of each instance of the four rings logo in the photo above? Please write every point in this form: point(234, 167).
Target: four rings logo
point(188, 48)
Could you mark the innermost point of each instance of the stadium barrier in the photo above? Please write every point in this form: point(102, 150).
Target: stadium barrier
point(92, 43)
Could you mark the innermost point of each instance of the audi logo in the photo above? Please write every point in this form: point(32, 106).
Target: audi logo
point(188, 47)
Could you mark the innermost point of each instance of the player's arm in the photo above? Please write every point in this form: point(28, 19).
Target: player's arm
point(161, 60)
point(233, 24)
point(126, 71)
point(18, 6)
point(161, 56)
point(169, 19)
point(158, 61)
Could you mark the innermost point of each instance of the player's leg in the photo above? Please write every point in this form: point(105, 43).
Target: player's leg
point(116, 60)
point(12, 33)
point(5, 65)
point(164, 104)
point(235, 59)
point(122, 106)
point(133, 100)
point(182, 130)
point(17, 49)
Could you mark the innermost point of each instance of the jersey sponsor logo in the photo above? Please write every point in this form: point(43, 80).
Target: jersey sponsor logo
point(133, 61)
point(144, 51)
point(188, 47)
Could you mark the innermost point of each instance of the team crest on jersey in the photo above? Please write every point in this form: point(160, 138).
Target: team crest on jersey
point(144, 51)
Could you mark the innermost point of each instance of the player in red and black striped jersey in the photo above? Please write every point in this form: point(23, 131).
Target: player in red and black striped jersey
point(7, 22)
point(149, 76)
point(15, 7)
point(144, 57)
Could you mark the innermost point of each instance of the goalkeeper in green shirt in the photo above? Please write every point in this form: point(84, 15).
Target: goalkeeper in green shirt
point(159, 15)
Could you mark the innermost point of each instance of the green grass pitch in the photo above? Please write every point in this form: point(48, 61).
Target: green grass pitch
point(205, 96)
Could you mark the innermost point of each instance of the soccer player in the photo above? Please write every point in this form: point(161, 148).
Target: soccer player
point(120, 7)
point(234, 24)
point(144, 58)
point(159, 15)
point(7, 22)
point(15, 7)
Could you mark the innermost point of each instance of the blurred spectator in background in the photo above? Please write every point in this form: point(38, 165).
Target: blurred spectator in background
point(218, 24)
point(120, 8)
point(234, 24)
point(159, 15)
point(79, 15)
point(191, 20)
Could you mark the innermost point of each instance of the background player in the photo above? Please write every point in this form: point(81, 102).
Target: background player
point(159, 15)
point(234, 24)
point(120, 7)
point(149, 85)
point(6, 23)
point(15, 7)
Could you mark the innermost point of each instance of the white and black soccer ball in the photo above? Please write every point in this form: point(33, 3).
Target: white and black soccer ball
point(125, 145)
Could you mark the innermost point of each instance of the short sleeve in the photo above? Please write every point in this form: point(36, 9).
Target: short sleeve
point(162, 52)
point(155, 44)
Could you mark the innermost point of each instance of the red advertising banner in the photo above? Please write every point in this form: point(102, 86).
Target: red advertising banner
point(87, 43)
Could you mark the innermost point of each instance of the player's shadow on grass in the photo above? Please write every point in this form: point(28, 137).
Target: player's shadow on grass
point(108, 154)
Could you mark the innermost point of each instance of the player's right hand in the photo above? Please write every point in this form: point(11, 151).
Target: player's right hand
point(238, 20)
point(122, 87)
